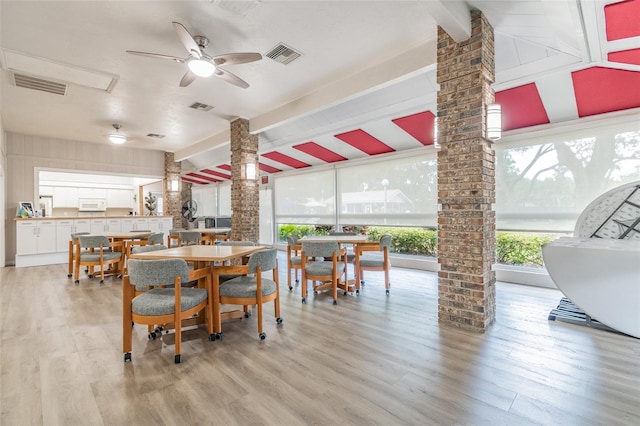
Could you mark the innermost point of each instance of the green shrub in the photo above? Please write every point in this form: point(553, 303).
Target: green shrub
point(416, 241)
point(520, 249)
point(512, 248)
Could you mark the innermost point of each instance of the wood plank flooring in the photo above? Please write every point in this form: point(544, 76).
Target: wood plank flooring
point(372, 359)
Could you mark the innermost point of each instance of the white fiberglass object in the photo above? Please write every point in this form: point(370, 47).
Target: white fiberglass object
point(599, 269)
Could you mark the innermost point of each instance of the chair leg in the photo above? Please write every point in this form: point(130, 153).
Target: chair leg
point(387, 283)
point(289, 279)
point(178, 335)
point(260, 332)
point(70, 273)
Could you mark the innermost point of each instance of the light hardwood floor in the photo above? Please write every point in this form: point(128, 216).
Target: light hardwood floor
point(371, 359)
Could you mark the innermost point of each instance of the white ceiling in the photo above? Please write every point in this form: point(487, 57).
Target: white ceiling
point(362, 61)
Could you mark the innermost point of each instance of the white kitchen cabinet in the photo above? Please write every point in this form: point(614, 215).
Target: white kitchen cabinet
point(35, 237)
point(64, 229)
point(154, 224)
point(166, 223)
point(98, 226)
point(82, 225)
point(92, 193)
point(119, 198)
point(114, 225)
point(65, 197)
point(127, 224)
point(141, 224)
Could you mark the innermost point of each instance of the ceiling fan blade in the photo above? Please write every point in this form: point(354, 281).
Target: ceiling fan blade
point(236, 58)
point(231, 78)
point(187, 40)
point(187, 79)
point(157, 55)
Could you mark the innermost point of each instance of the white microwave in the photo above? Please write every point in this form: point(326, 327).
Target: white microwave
point(92, 205)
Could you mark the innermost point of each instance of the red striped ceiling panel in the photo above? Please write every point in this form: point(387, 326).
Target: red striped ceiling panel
point(319, 152)
point(600, 90)
point(521, 107)
point(203, 177)
point(285, 159)
point(186, 179)
point(268, 169)
point(622, 19)
point(226, 167)
point(363, 141)
point(419, 125)
point(631, 56)
point(214, 173)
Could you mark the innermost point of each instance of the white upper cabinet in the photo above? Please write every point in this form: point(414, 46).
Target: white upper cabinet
point(119, 198)
point(65, 197)
point(92, 193)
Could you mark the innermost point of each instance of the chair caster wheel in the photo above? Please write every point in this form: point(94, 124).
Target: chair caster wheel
point(69, 275)
point(212, 337)
point(361, 282)
point(247, 314)
point(101, 282)
point(387, 292)
point(91, 276)
point(345, 293)
point(297, 282)
point(219, 336)
point(290, 288)
point(357, 291)
point(178, 359)
point(263, 336)
point(127, 357)
point(77, 281)
point(152, 335)
point(304, 300)
point(335, 302)
point(278, 320)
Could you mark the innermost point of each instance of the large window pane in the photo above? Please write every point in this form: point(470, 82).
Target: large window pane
point(305, 198)
point(224, 200)
point(401, 192)
point(545, 183)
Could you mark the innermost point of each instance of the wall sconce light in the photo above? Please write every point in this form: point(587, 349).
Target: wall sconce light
point(494, 122)
point(436, 145)
point(250, 171)
point(173, 185)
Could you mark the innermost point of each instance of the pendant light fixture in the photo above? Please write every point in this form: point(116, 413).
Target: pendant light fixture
point(117, 137)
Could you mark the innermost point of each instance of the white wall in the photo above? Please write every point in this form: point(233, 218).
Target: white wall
point(26, 153)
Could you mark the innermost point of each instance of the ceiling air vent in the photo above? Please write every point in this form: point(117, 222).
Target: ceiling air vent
point(200, 106)
point(283, 54)
point(34, 83)
point(155, 135)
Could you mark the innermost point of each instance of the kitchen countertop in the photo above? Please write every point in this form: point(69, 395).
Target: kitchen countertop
point(90, 217)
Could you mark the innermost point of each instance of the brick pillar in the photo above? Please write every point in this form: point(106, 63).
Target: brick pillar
point(466, 179)
point(173, 200)
point(245, 203)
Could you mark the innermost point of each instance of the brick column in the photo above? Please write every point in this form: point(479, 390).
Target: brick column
point(173, 200)
point(466, 179)
point(245, 203)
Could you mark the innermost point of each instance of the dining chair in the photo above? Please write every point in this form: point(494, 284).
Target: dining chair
point(72, 251)
point(99, 252)
point(189, 238)
point(250, 287)
point(152, 293)
point(373, 256)
point(156, 238)
point(174, 235)
point(294, 261)
point(216, 238)
point(331, 271)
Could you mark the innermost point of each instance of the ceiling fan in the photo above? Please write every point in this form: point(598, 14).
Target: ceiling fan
point(200, 63)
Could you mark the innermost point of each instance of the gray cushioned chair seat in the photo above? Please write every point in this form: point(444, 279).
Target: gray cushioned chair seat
point(372, 261)
point(161, 301)
point(95, 256)
point(323, 268)
point(296, 260)
point(244, 286)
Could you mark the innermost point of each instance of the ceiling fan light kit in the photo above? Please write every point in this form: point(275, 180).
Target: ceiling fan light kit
point(117, 137)
point(201, 67)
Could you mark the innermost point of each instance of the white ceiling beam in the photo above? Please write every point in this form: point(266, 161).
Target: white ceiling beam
point(204, 145)
point(453, 16)
point(405, 65)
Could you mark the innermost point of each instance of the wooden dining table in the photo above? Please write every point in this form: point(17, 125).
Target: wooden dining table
point(206, 255)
